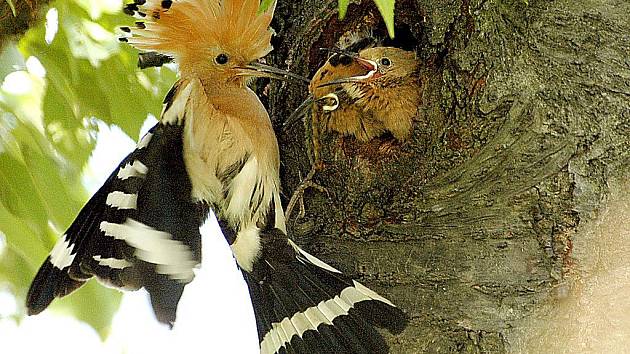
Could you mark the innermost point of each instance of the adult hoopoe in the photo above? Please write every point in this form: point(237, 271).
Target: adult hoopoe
point(213, 149)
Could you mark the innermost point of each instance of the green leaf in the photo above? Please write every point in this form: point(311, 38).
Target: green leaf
point(88, 74)
point(343, 8)
point(12, 6)
point(90, 77)
point(386, 8)
point(9, 56)
point(20, 196)
point(264, 5)
point(27, 241)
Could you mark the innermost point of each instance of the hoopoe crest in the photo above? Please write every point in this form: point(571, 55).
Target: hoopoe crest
point(206, 37)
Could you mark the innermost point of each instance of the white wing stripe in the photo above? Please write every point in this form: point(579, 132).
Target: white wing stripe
point(112, 262)
point(316, 316)
point(135, 169)
point(289, 329)
point(324, 313)
point(144, 142)
point(122, 200)
point(61, 255)
point(370, 293)
point(316, 261)
point(171, 257)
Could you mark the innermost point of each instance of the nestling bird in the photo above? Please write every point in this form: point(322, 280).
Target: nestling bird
point(214, 148)
point(323, 100)
point(362, 95)
point(383, 97)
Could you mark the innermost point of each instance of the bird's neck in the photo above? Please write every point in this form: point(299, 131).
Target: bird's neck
point(233, 121)
point(218, 83)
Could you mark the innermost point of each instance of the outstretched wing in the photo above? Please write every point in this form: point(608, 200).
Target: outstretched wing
point(140, 229)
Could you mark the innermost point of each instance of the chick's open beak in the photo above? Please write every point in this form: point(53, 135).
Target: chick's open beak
point(256, 69)
point(370, 65)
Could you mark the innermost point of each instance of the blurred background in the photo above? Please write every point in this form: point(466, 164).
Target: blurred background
point(72, 105)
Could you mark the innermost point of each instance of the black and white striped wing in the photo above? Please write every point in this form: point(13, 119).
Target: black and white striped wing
point(140, 229)
point(303, 305)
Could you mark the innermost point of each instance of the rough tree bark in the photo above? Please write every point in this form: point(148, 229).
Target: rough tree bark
point(470, 226)
point(27, 12)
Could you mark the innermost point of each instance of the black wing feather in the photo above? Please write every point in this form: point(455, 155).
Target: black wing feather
point(289, 289)
point(164, 204)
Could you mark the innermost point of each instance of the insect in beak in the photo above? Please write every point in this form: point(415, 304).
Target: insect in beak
point(332, 102)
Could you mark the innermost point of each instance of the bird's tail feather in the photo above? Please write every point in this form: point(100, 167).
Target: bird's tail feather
point(49, 283)
point(303, 305)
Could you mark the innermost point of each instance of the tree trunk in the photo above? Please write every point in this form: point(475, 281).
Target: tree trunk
point(472, 225)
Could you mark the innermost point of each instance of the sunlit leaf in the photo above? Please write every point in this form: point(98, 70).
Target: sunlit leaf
point(10, 57)
point(343, 8)
point(264, 5)
point(385, 7)
point(19, 195)
point(89, 76)
point(12, 6)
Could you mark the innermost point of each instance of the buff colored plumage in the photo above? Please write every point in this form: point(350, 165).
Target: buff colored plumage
point(214, 148)
point(381, 93)
point(193, 32)
point(363, 96)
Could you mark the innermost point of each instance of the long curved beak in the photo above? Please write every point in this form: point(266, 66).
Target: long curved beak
point(298, 113)
point(261, 70)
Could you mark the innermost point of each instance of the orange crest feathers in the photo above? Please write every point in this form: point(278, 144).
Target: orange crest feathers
point(190, 30)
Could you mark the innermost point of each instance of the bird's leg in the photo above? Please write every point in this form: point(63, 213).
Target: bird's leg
point(298, 194)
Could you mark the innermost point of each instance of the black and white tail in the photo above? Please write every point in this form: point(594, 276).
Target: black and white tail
point(304, 306)
point(140, 229)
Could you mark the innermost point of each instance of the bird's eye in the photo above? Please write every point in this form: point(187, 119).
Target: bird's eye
point(221, 59)
point(386, 62)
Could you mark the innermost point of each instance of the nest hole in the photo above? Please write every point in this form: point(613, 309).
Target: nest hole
point(364, 27)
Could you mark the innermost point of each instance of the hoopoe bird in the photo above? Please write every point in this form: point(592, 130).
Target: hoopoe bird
point(214, 149)
point(382, 97)
point(362, 95)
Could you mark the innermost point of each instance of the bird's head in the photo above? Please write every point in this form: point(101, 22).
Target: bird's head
point(388, 62)
point(381, 67)
point(214, 40)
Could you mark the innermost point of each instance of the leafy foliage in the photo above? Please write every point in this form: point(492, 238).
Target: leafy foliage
point(47, 133)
